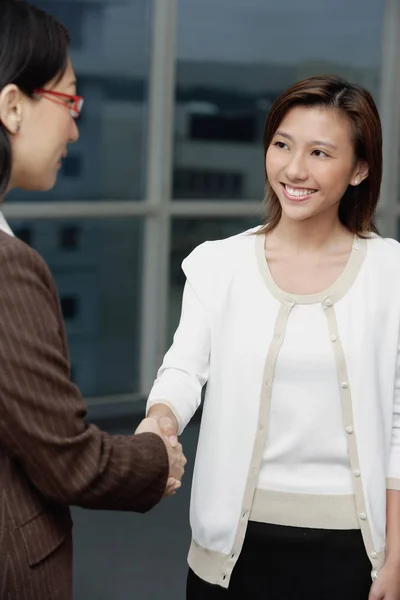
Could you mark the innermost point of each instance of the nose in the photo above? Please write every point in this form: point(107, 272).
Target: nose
point(296, 168)
point(73, 132)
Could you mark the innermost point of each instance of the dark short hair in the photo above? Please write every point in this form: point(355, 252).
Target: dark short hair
point(33, 52)
point(358, 204)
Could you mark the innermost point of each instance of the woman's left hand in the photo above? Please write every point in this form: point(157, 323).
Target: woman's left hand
point(387, 586)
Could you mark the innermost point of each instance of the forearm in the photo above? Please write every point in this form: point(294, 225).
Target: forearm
point(393, 526)
point(92, 469)
point(42, 413)
point(158, 411)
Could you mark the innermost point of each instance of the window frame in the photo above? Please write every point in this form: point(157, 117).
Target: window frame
point(158, 207)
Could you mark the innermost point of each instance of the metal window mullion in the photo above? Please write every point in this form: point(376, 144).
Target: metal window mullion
point(82, 209)
point(390, 115)
point(217, 208)
point(156, 251)
point(86, 209)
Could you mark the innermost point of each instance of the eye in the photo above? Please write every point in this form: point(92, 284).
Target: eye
point(280, 145)
point(319, 154)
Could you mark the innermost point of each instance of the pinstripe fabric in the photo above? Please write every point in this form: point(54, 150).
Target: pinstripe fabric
point(49, 457)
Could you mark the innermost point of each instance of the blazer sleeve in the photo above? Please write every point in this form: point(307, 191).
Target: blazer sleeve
point(42, 412)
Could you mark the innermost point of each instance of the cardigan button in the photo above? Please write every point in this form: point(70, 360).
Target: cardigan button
point(345, 385)
point(374, 555)
point(328, 302)
point(349, 429)
point(374, 575)
point(333, 338)
point(363, 516)
point(356, 473)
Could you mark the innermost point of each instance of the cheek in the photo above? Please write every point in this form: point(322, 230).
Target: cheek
point(50, 125)
point(273, 163)
point(336, 178)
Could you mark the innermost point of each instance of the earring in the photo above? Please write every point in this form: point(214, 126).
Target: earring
point(356, 182)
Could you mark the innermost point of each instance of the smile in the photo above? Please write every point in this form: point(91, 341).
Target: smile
point(297, 193)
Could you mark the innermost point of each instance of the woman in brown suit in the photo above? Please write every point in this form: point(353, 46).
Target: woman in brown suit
point(49, 457)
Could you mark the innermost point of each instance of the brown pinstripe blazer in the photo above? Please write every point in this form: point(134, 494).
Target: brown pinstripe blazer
point(49, 457)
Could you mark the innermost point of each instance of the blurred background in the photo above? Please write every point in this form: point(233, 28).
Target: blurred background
point(170, 155)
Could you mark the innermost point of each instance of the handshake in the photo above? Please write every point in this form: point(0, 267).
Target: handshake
point(166, 427)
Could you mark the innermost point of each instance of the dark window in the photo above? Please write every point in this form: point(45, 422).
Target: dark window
point(69, 238)
point(70, 306)
point(24, 234)
point(72, 166)
point(70, 14)
point(224, 128)
point(200, 183)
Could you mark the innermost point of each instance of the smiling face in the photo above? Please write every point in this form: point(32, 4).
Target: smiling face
point(310, 162)
point(41, 131)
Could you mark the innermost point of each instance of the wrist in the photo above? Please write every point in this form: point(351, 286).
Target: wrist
point(393, 556)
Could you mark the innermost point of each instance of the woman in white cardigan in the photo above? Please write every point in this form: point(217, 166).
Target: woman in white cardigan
point(295, 328)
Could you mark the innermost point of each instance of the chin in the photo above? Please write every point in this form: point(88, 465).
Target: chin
point(44, 185)
point(297, 214)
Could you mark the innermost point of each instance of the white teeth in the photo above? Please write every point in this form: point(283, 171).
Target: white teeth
point(297, 193)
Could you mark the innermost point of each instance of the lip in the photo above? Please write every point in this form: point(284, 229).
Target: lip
point(296, 199)
point(59, 162)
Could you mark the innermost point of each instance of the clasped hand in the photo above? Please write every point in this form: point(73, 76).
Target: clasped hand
point(163, 426)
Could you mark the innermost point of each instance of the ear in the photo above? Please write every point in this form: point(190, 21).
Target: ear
point(360, 173)
point(11, 108)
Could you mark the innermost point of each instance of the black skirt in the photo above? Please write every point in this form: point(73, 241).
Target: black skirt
point(293, 563)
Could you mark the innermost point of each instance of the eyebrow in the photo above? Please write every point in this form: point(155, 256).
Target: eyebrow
point(312, 143)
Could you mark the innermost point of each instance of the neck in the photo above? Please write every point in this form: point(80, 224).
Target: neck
point(310, 235)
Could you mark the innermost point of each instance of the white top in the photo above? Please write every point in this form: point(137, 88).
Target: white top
point(4, 226)
point(306, 446)
point(233, 321)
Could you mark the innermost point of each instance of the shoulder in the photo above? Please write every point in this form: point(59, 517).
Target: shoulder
point(20, 262)
point(385, 251)
point(220, 253)
point(213, 264)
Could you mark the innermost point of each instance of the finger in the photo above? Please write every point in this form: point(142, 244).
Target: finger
point(167, 426)
point(173, 440)
point(375, 593)
point(170, 487)
point(174, 488)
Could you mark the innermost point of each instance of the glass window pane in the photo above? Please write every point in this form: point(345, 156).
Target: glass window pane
point(235, 58)
point(97, 268)
point(110, 48)
point(186, 235)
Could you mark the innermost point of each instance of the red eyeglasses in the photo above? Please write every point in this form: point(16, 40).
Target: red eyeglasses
point(73, 103)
